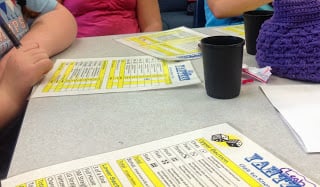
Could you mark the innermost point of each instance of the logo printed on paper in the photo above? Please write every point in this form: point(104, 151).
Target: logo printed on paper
point(227, 140)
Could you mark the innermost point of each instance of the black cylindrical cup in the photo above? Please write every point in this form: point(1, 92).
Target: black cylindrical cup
point(222, 65)
point(252, 23)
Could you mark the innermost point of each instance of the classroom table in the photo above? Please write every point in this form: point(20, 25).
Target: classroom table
point(60, 129)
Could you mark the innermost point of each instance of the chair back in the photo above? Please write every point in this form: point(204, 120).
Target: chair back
point(199, 18)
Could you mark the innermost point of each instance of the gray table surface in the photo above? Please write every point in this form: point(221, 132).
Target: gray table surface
point(60, 129)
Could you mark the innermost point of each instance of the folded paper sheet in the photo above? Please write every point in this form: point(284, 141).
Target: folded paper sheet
point(299, 106)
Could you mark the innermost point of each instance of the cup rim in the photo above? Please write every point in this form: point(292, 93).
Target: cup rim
point(258, 13)
point(232, 41)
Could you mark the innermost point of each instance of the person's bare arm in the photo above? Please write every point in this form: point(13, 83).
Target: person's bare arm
point(53, 31)
point(231, 8)
point(148, 13)
point(24, 67)
point(20, 69)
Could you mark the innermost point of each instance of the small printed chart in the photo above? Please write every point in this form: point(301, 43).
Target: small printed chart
point(114, 74)
point(180, 43)
point(234, 30)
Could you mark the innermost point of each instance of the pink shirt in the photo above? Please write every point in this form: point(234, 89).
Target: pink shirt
point(104, 17)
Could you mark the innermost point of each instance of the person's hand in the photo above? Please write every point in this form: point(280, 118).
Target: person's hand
point(20, 70)
point(24, 68)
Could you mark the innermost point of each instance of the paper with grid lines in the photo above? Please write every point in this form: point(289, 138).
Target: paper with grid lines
point(175, 44)
point(214, 156)
point(114, 74)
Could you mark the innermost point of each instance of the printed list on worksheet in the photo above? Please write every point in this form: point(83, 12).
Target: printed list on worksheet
point(114, 74)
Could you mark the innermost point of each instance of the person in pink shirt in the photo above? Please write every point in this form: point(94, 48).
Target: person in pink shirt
point(108, 17)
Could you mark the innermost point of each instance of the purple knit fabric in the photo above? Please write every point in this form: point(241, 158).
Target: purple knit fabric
point(289, 42)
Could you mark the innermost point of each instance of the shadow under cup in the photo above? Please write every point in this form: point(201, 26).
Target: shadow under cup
point(222, 65)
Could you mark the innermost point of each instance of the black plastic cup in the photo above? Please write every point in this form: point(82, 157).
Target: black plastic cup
point(222, 64)
point(252, 24)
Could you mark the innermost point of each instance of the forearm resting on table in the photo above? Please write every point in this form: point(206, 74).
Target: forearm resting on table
point(53, 31)
point(231, 8)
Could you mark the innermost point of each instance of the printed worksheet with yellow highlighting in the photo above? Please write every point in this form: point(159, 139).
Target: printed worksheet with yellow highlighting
point(214, 156)
point(234, 30)
point(175, 44)
point(114, 74)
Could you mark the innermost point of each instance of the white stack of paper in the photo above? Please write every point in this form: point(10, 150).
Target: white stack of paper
point(299, 105)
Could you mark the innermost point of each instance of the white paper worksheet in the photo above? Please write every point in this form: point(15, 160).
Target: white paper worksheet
point(234, 30)
point(214, 156)
point(175, 44)
point(299, 106)
point(114, 74)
